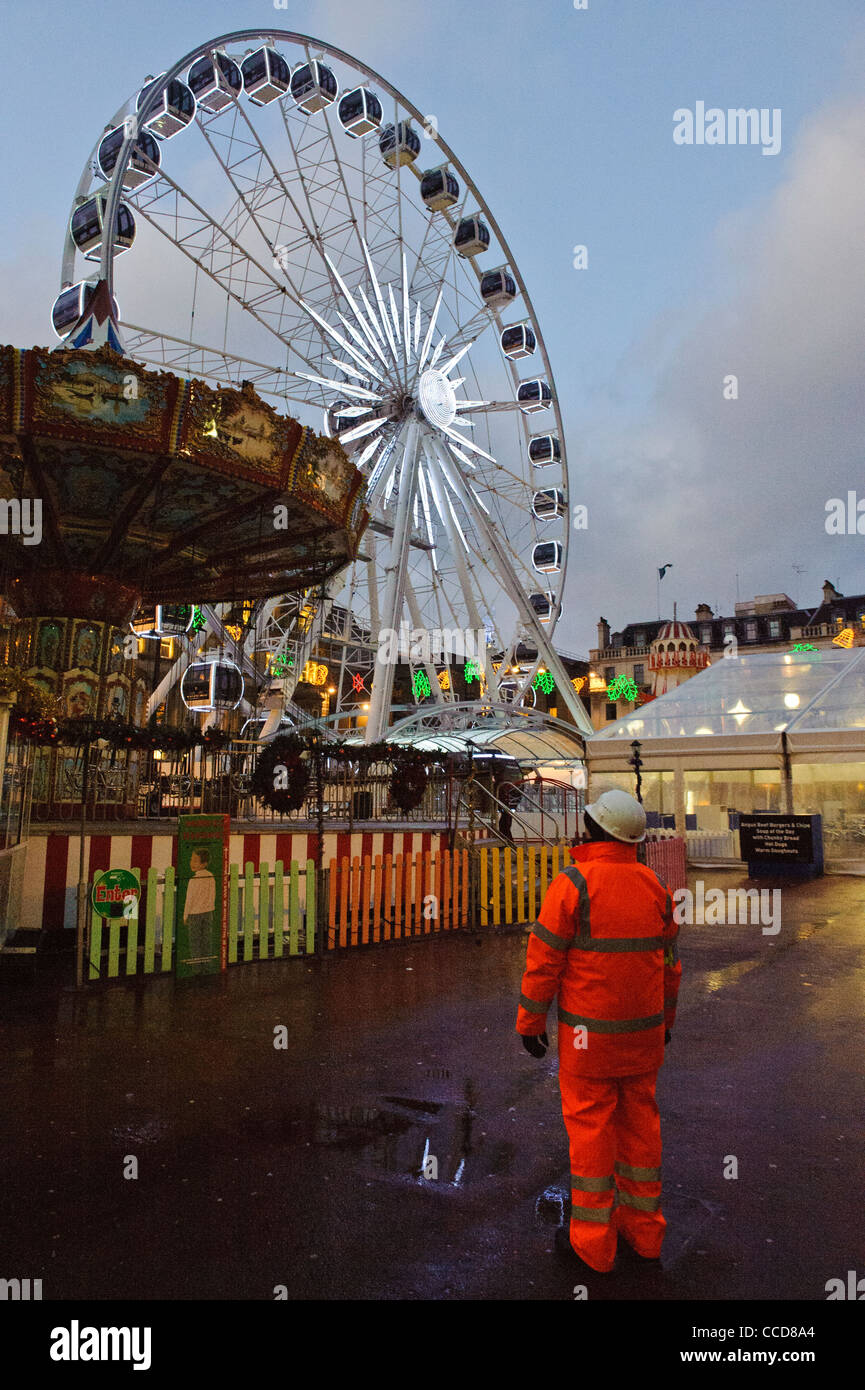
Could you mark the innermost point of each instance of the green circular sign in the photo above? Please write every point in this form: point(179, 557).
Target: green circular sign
point(113, 892)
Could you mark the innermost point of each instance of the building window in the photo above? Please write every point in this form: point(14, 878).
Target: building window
point(166, 648)
point(774, 628)
point(639, 639)
point(640, 673)
point(729, 628)
point(609, 674)
point(706, 635)
point(750, 632)
point(610, 710)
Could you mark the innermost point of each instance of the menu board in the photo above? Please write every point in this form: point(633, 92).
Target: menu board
point(777, 837)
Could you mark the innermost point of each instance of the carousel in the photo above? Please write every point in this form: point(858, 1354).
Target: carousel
point(142, 488)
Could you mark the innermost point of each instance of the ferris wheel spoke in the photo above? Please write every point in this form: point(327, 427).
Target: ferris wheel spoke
point(502, 564)
point(334, 188)
point(233, 255)
point(189, 358)
point(468, 585)
point(207, 127)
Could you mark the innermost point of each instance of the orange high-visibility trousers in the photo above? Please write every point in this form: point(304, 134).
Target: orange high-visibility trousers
point(614, 1134)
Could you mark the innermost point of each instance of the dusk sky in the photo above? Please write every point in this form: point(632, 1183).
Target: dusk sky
point(704, 261)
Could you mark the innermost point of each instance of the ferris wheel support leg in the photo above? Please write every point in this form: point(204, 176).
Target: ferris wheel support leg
point(418, 623)
point(514, 590)
point(458, 554)
point(382, 685)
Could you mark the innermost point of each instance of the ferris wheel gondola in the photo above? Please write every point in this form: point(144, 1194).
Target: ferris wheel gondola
point(350, 283)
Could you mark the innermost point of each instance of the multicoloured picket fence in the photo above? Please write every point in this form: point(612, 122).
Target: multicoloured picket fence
point(293, 910)
point(271, 915)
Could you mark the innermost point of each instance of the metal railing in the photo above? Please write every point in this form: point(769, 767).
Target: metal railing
point(16, 794)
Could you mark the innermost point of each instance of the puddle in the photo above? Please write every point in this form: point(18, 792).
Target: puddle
point(550, 1207)
point(404, 1136)
point(429, 1107)
point(687, 1218)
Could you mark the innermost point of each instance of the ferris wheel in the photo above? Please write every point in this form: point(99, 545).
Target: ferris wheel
point(295, 222)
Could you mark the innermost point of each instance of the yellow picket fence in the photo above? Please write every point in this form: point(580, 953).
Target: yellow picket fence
point(513, 881)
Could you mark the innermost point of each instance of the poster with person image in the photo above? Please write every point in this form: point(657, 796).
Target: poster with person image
point(201, 942)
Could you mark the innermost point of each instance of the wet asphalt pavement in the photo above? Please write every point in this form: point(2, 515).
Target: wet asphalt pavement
point(302, 1167)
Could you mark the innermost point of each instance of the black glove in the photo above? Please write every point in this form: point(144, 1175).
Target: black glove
point(667, 1036)
point(536, 1045)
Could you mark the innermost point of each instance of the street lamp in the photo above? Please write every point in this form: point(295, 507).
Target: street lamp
point(636, 763)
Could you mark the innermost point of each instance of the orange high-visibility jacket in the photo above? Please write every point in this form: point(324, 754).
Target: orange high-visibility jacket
point(605, 942)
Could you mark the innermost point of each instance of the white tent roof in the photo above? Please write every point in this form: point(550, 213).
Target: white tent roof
point(756, 693)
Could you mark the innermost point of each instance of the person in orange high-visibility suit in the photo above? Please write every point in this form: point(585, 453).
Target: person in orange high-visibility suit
point(605, 943)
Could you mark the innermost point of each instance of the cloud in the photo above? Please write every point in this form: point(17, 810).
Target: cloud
point(741, 485)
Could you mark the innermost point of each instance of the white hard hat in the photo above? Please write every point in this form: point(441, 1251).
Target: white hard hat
point(620, 814)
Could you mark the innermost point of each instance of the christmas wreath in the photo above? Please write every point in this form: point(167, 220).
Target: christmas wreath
point(281, 777)
point(408, 783)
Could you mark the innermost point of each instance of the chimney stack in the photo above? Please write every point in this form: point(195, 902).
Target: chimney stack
point(603, 634)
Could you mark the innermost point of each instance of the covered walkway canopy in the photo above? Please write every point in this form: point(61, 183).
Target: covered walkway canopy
point(534, 740)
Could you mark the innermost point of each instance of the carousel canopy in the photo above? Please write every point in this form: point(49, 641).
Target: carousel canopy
point(163, 488)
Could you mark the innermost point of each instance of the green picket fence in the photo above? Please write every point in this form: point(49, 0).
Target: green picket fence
point(271, 915)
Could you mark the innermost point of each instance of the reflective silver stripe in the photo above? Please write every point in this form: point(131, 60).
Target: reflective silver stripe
point(584, 929)
point(532, 1006)
point(638, 1174)
point(558, 943)
point(593, 1184)
point(641, 1203)
point(610, 1025)
point(619, 943)
point(601, 1214)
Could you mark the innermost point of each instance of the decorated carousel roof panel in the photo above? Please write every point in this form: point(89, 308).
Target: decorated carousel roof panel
point(173, 488)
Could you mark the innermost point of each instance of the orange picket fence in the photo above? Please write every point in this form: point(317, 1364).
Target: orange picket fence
point(392, 897)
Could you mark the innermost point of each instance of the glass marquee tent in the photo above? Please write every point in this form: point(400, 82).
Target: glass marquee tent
point(765, 731)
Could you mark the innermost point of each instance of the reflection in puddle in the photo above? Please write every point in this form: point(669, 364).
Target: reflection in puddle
point(550, 1207)
point(409, 1137)
point(713, 980)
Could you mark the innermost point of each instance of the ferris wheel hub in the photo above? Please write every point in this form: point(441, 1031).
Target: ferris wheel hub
point(437, 398)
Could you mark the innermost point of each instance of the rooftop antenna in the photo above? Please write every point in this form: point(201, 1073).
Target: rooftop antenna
point(800, 569)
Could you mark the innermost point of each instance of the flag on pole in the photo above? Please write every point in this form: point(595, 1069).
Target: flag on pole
point(662, 570)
